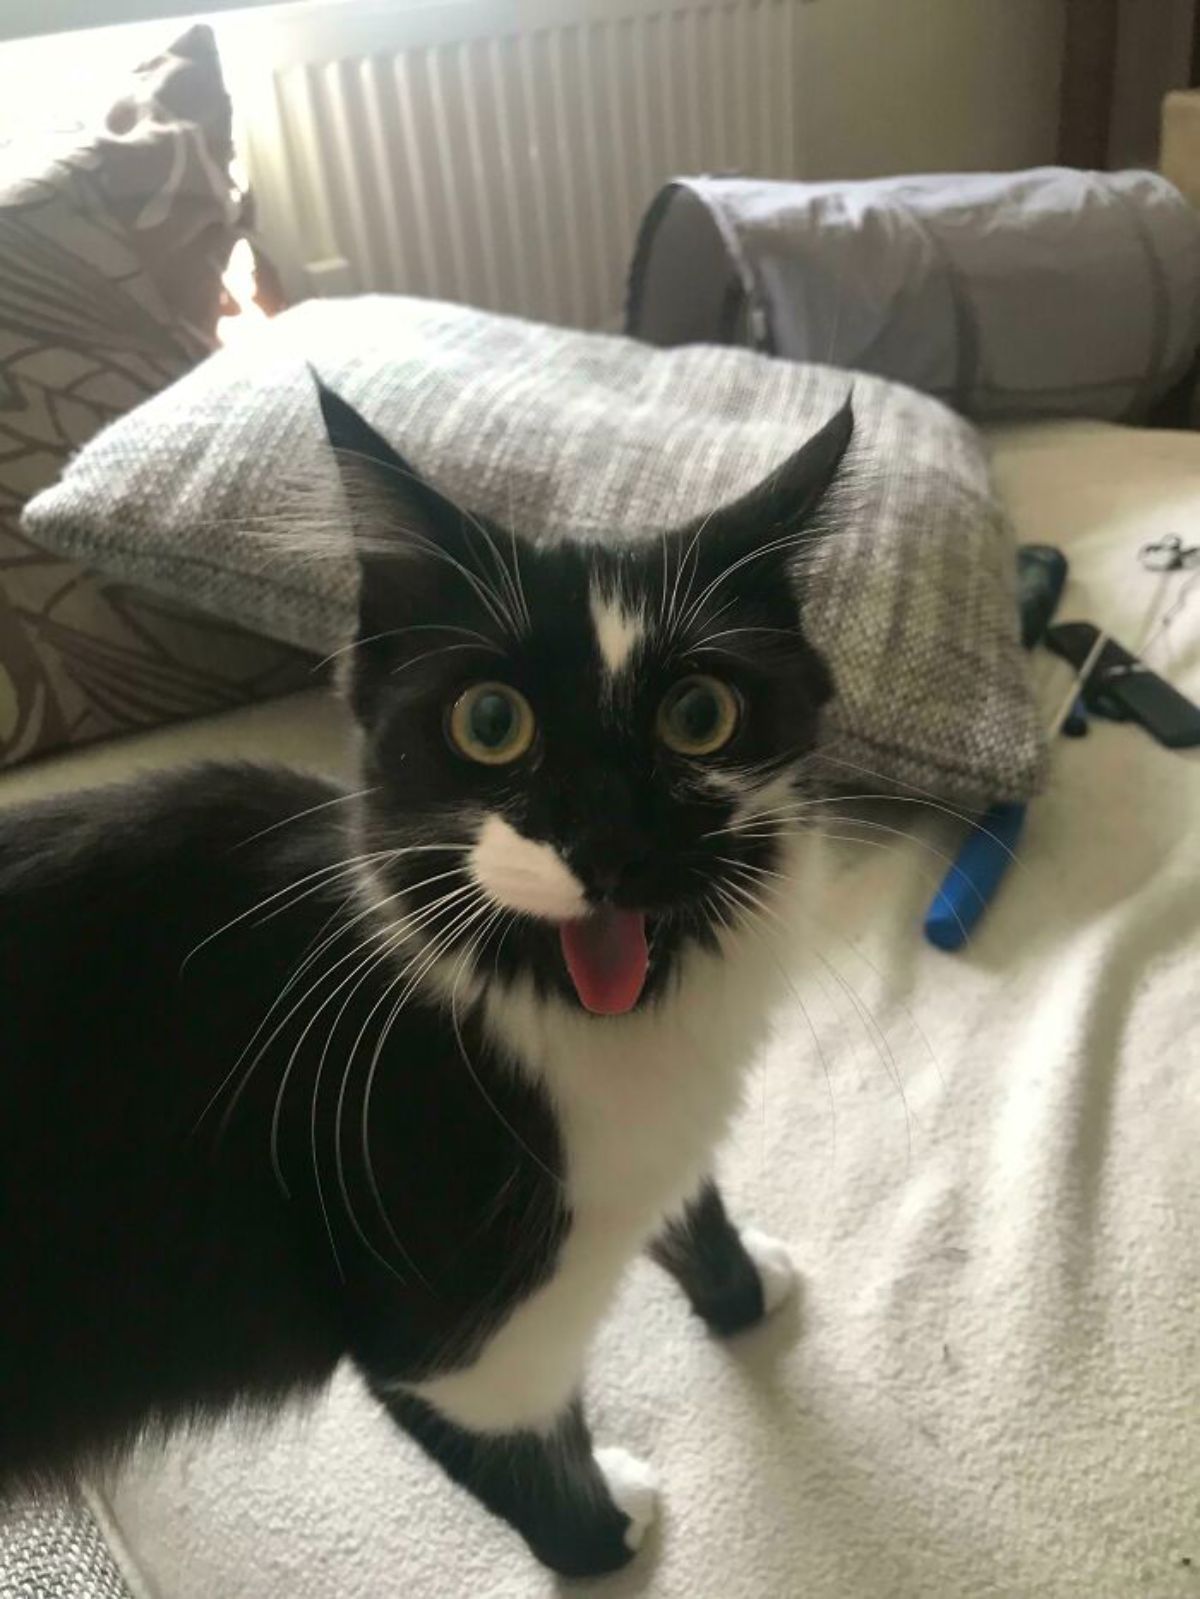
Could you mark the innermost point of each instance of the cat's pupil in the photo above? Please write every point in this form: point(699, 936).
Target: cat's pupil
point(493, 718)
point(697, 714)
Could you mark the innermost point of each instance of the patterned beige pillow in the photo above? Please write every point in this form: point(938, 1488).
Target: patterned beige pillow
point(110, 280)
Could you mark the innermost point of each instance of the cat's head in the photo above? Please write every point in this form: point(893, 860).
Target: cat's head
point(579, 758)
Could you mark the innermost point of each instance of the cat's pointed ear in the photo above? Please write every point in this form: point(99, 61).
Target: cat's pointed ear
point(746, 550)
point(397, 517)
point(771, 517)
point(753, 542)
point(365, 456)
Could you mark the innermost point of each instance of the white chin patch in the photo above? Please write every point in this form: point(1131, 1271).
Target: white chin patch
point(524, 875)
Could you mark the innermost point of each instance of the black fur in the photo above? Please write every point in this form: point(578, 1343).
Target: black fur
point(708, 1260)
point(600, 787)
point(550, 1488)
point(188, 1219)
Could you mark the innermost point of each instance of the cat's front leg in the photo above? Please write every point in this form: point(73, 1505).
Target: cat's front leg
point(732, 1280)
point(583, 1511)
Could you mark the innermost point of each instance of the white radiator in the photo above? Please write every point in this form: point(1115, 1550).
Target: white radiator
point(500, 152)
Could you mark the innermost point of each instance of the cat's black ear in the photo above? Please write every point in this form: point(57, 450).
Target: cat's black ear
point(771, 515)
point(398, 519)
point(366, 456)
point(746, 549)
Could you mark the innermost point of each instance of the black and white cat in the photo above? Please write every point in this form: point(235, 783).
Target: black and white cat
point(411, 1074)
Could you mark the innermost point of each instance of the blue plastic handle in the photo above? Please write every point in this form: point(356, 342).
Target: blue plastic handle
point(969, 885)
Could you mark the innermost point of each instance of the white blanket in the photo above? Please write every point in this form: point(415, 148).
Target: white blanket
point(991, 1383)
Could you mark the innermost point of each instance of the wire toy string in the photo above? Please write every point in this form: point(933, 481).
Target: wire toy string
point(1168, 557)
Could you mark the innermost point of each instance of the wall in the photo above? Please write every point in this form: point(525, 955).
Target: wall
point(368, 118)
point(929, 85)
point(853, 88)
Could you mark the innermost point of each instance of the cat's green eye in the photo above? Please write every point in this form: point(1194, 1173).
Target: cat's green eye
point(698, 716)
point(491, 723)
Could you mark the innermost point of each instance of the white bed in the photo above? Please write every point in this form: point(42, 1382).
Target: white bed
point(991, 1383)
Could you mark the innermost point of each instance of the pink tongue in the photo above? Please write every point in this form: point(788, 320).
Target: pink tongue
point(607, 959)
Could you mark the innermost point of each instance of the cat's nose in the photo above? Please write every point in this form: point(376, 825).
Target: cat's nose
point(611, 873)
point(607, 879)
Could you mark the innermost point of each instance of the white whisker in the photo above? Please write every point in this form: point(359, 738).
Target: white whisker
point(919, 796)
point(322, 876)
point(765, 872)
point(752, 918)
point(429, 655)
point(338, 799)
point(692, 554)
point(771, 547)
point(474, 1075)
point(402, 933)
point(868, 1020)
point(480, 639)
point(394, 935)
point(459, 927)
point(306, 962)
point(522, 598)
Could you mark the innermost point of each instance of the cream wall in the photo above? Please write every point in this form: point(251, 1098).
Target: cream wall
point(910, 85)
point(424, 186)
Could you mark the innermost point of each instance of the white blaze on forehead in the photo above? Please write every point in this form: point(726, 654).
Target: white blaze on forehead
point(619, 630)
point(524, 875)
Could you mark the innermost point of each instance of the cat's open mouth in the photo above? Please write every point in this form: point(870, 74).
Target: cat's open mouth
point(607, 958)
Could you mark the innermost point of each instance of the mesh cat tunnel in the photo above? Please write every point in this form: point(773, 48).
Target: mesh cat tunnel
point(1039, 293)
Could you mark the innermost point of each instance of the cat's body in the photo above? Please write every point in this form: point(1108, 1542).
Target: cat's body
point(291, 1074)
point(100, 1080)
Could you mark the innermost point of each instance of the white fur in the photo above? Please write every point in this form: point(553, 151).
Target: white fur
point(749, 796)
point(523, 875)
point(642, 1100)
point(618, 630)
point(776, 1267)
point(634, 1488)
point(732, 785)
point(754, 800)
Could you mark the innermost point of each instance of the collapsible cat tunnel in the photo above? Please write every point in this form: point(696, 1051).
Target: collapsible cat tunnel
point(1039, 293)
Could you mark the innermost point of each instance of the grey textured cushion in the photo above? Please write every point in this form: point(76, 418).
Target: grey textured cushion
point(910, 592)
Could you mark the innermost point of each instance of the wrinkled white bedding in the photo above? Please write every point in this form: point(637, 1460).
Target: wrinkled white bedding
point(991, 1384)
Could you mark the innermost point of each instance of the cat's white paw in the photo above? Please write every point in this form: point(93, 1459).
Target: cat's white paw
point(634, 1488)
point(776, 1267)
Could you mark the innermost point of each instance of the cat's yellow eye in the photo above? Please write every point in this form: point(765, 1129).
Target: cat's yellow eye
point(491, 723)
point(698, 716)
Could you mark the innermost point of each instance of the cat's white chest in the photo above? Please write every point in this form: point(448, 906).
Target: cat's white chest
point(641, 1101)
